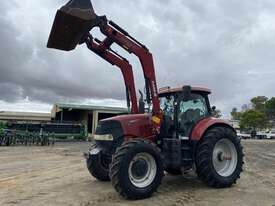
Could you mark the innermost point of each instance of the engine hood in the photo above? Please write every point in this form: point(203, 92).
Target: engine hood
point(122, 128)
point(133, 125)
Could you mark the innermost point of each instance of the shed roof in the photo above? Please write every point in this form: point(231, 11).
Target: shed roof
point(89, 107)
point(27, 116)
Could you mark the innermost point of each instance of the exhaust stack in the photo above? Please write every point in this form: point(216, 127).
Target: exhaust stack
point(72, 22)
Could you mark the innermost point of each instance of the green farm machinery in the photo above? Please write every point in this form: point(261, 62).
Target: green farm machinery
point(40, 134)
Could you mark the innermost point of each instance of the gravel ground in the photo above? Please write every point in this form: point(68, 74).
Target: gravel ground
point(58, 176)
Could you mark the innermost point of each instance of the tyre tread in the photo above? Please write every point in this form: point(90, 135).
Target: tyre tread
point(204, 166)
point(118, 158)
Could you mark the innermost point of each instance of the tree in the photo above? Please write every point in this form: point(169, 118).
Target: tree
point(235, 114)
point(245, 107)
point(253, 119)
point(270, 108)
point(258, 103)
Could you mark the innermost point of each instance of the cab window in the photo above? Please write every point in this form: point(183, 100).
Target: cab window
point(197, 104)
point(191, 111)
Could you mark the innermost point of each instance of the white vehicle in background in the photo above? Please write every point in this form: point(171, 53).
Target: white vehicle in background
point(271, 134)
point(243, 135)
point(266, 135)
point(261, 135)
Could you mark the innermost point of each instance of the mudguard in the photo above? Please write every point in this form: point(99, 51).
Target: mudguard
point(206, 123)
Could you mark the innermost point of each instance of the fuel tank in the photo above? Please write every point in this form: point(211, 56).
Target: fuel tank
point(72, 22)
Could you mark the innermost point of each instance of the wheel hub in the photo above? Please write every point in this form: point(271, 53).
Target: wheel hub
point(139, 168)
point(221, 157)
point(142, 170)
point(224, 157)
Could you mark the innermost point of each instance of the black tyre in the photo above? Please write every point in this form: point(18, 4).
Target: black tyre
point(137, 169)
point(171, 171)
point(219, 157)
point(98, 166)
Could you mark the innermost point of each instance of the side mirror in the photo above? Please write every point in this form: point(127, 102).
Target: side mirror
point(141, 104)
point(214, 108)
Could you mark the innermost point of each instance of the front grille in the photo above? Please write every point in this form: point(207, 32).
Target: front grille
point(109, 127)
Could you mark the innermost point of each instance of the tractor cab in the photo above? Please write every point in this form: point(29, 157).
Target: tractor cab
point(183, 108)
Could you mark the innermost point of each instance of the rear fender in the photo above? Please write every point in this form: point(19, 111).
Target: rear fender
point(205, 124)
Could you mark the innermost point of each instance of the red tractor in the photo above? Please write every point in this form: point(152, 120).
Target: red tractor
point(174, 133)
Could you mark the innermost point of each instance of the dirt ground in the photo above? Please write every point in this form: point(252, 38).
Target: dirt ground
point(58, 176)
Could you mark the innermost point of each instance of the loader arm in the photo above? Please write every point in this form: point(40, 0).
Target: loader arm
point(72, 25)
point(117, 35)
point(101, 49)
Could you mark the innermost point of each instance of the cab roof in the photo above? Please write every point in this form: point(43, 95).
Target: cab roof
point(167, 90)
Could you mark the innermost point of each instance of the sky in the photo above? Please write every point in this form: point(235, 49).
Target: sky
point(225, 45)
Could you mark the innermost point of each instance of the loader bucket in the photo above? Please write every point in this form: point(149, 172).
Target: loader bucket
point(72, 22)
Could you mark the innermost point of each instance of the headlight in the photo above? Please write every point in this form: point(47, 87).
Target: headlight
point(104, 137)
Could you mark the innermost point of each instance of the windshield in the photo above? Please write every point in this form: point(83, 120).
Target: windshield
point(196, 104)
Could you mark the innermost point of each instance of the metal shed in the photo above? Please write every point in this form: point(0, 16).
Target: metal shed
point(89, 115)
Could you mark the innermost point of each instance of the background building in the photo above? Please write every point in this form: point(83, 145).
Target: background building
point(85, 114)
point(63, 114)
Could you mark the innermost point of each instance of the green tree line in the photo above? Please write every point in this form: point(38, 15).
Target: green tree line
point(260, 114)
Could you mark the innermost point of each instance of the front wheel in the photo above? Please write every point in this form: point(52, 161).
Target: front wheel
point(219, 157)
point(98, 164)
point(137, 169)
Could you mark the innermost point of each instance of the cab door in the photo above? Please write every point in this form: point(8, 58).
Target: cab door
point(189, 111)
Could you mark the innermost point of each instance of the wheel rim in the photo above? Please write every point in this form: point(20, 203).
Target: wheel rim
point(142, 170)
point(225, 157)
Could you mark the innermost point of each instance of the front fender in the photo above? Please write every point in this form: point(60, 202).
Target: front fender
point(203, 125)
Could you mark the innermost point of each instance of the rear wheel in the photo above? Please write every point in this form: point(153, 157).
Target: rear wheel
point(137, 169)
point(98, 165)
point(219, 157)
